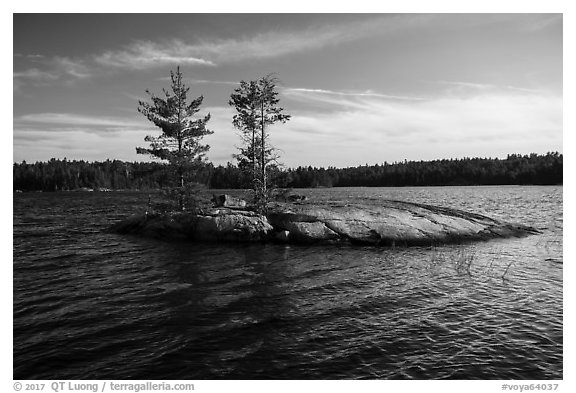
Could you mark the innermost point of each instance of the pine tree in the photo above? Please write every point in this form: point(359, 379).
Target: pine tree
point(257, 105)
point(245, 101)
point(179, 144)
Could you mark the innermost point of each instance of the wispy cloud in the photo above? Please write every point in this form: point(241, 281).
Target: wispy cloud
point(74, 122)
point(30, 56)
point(336, 101)
point(36, 74)
point(212, 82)
point(297, 91)
point(75, 68)
point(210, 51)
point(267, 44)
point(461, 86)
point(56, 69)
point(147, 54)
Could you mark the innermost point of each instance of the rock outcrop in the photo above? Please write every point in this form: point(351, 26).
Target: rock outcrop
point(225, 200)
point(391, 223)
point(212, 225)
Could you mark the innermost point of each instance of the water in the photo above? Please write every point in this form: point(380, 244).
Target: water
point(93, 305)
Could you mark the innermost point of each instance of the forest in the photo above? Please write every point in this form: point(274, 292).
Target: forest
point(515, 169)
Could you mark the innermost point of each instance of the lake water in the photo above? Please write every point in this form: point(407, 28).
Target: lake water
point(94, 305)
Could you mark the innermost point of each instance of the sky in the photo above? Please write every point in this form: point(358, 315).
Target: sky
point(361, 88)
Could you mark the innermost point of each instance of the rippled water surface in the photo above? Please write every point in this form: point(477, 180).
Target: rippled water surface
point(93, 305)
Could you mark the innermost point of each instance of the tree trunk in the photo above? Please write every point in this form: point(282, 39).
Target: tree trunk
point(254, 166)
point(263, 158)
point(180, 138)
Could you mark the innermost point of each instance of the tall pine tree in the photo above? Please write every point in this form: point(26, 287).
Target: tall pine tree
point(245, 101)
point(256, 103)
point(180, 141)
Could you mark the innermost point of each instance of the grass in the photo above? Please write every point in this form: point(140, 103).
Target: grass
point(465, 261)
point(506, 271)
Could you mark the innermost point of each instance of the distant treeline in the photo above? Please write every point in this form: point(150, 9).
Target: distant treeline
point(62, 175)
point(515, 169)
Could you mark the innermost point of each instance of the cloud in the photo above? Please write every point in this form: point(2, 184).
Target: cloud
point(73, 119)
point(475, 87)
point(56, 69)
point(32, 145)
point(353, 130)
point(41, 136)
point(214, 82)
point(71, 67)
point(147, 54)
point(356, 129)
point(209, 52)
point(53, 124)
point(332, 100)
point(323, 95)
point(33, 76)
point(269, 44)
point(36, 74)
point(31, 56)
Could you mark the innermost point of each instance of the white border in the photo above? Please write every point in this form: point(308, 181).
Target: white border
point(302, 6)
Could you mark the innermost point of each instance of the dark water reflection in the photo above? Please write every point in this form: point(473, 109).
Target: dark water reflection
point(91, 305)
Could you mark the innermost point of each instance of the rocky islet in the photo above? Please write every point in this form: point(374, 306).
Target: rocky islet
point(389, 223)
